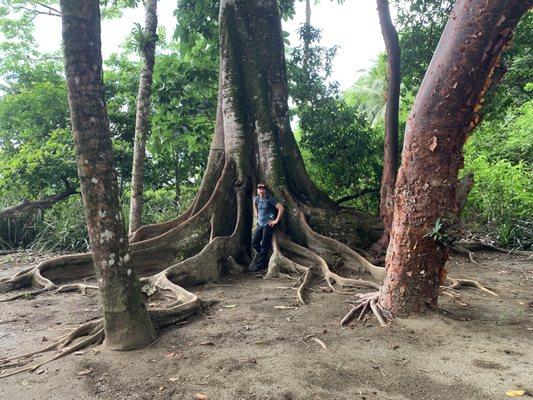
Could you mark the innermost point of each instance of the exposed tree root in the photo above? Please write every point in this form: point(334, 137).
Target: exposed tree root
point(302, 260)
point(368, 302)
point(461, 250)
point(184, 305)
point(92, 332)
point(223, 251)
point(480, 246)
point(456, 284)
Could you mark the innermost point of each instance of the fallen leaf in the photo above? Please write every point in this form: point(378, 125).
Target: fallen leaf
point(433, 143)
point(320, 342)
point(515, 393)
point(85, 372)
point(200, 396)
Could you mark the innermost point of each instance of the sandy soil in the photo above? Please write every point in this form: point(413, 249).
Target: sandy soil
point(246, 348)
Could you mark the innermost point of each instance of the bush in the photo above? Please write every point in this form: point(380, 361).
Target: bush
point(62, 228)
point(160, 205)
point(501, 200)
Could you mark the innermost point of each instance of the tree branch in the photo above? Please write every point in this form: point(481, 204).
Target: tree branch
point(26, 205)
point(356, 196)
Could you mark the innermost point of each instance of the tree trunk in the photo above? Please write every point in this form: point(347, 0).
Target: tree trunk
point(252, 142)
point(142, 122)
point(126, 321)
point(390, 154)
point(445, 110)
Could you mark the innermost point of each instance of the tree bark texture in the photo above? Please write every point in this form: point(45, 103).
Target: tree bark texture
point(390, 154)
point(142, 121)
point(126, 321)
point(445, 110)
point(252, 142)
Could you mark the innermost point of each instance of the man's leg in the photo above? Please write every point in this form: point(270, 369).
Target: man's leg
point(257, 236)
point(266, 240)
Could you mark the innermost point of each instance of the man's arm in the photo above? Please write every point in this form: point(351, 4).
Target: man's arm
point(280, 209)
point(255, 210)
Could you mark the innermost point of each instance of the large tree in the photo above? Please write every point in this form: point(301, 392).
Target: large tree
point(445, 111)
point(252, 142)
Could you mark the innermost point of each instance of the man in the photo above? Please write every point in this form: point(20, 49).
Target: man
point(268, 212)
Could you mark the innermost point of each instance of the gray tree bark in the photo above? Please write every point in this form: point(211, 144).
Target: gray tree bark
point(126, 321)
point(142, 121)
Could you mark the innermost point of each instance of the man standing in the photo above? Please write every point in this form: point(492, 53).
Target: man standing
point(268, 212)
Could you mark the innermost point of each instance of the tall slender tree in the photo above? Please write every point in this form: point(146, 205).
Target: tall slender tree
point(147, 44)
point(126, 321)
point(446, 109)
point(390, 154)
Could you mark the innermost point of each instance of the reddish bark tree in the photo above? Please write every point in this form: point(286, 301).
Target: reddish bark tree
point(445, 110)
point(142, 122)
point(390, 154)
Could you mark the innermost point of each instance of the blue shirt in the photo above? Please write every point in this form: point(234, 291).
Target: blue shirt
point(266, 209)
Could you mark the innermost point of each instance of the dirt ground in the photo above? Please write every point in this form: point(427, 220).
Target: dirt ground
point(247, 347)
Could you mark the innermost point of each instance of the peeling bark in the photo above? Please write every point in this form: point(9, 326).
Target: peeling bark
point(142, 122)
point(126, 321)
point(445, 110)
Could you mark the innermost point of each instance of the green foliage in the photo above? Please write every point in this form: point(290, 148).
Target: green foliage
point(343, 149)
point(162, 205)
point(36, 149)
point(185, 100)
point(500, 154)
point(309, 68)
point(339, 147)
point(420, 24)
point(368, 94)
point(501, 199)
point(197, 25)
point(509, 138)
point(61, 228)
point(517, 60)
